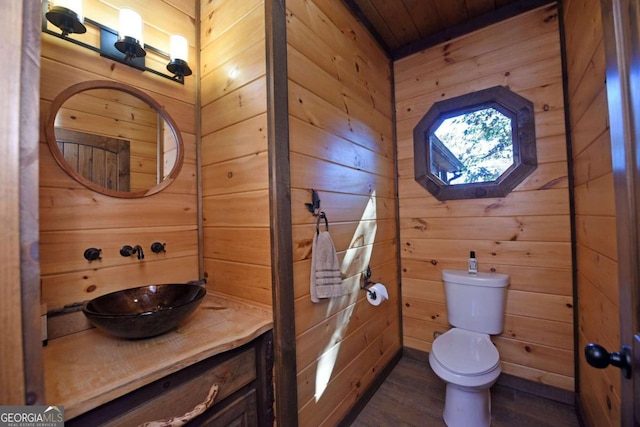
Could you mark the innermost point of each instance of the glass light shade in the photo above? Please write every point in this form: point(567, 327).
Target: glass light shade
point(178, 48)
point(130, 25)
point(67, 15)
point(74, 5)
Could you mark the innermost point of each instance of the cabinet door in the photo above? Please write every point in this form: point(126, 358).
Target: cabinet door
point(230, 375)
point(240, 413)
point(176, 394)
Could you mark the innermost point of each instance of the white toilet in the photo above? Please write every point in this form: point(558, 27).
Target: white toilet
point(464, 357)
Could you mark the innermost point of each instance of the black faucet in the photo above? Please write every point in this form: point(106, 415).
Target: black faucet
point(127, 250)
point(138, 249)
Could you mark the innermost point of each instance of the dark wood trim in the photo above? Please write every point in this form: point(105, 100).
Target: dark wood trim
point(509, 11)
point(572, 203)
point(537, 389)
point(367, 394)
point(280, 214)
point(29, 205)
point(360, 16)
point(580, 413)
point(415, 354)
point(490, 18)
point(264, 370)
point(198, 112)
point(396, 167)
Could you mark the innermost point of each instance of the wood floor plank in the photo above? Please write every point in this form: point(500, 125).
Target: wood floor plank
point(412, 395)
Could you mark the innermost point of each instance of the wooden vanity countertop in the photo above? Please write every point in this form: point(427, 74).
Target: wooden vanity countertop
point(89, 368)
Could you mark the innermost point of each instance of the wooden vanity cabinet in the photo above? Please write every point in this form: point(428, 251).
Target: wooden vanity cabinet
point(244, 398)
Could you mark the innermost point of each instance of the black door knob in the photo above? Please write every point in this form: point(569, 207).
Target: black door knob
point(598, 357)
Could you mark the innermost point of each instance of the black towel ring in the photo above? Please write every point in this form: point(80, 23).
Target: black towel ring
point(326, 222)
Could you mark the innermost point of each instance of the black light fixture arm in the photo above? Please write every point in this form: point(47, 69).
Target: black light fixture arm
point(107, 49)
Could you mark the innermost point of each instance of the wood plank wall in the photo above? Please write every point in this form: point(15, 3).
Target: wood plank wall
point(595, 207)
point(235, 175)
point(341, 145)
point(73, 218)
point(525, 234)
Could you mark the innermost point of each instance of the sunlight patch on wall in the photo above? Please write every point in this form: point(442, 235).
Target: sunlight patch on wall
point(356, 258)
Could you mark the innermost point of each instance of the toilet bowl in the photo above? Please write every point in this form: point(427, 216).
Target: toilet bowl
point(464, 356)
point(469, 363)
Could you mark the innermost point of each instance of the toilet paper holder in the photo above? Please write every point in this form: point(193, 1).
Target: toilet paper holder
point(367, 275)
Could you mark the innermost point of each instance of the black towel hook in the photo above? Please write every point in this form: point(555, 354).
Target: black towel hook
point(322, 215)
point(314, 208)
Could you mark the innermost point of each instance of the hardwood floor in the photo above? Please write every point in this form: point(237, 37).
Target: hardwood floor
point(413, 395)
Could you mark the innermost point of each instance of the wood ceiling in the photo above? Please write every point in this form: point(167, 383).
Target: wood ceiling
point(403, 27)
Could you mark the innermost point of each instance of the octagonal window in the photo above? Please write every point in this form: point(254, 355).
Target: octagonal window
point(476, 145)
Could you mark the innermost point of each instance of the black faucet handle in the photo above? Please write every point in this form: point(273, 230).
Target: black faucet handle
point(92, 254)
point(127, 250)
point(157, 247)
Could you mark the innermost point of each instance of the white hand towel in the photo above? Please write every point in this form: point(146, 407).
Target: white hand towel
point(326, 279)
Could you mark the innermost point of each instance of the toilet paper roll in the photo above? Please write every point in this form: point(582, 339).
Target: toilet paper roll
point(377, 293)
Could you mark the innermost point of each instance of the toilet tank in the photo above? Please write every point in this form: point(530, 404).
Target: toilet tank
point(475, 302)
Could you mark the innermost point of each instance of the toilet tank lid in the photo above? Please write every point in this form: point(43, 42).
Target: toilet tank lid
point(493, 280)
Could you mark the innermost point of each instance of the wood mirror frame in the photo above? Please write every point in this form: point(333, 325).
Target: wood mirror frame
point(521, 112)
point(52, 142)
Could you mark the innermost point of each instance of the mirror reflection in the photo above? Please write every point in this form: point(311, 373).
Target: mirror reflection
point(114, 139)
point(475, 146)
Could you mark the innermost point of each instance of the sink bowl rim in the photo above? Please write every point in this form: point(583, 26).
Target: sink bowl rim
point(87, 310)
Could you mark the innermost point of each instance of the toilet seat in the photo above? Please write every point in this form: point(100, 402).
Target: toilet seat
point(465, 353)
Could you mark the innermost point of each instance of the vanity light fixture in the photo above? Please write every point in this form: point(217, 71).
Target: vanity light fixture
point(178, 55)
point(130, 34)
point(67, 15)
point(124, 46)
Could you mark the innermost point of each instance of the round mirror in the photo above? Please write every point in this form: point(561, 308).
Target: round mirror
point(114, 139)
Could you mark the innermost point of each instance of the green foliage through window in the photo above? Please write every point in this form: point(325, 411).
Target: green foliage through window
point(482, 142)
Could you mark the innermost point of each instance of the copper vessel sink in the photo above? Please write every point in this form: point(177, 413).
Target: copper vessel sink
point(145, 311)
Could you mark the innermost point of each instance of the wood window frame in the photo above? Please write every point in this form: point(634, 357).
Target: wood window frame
point(521, 112)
